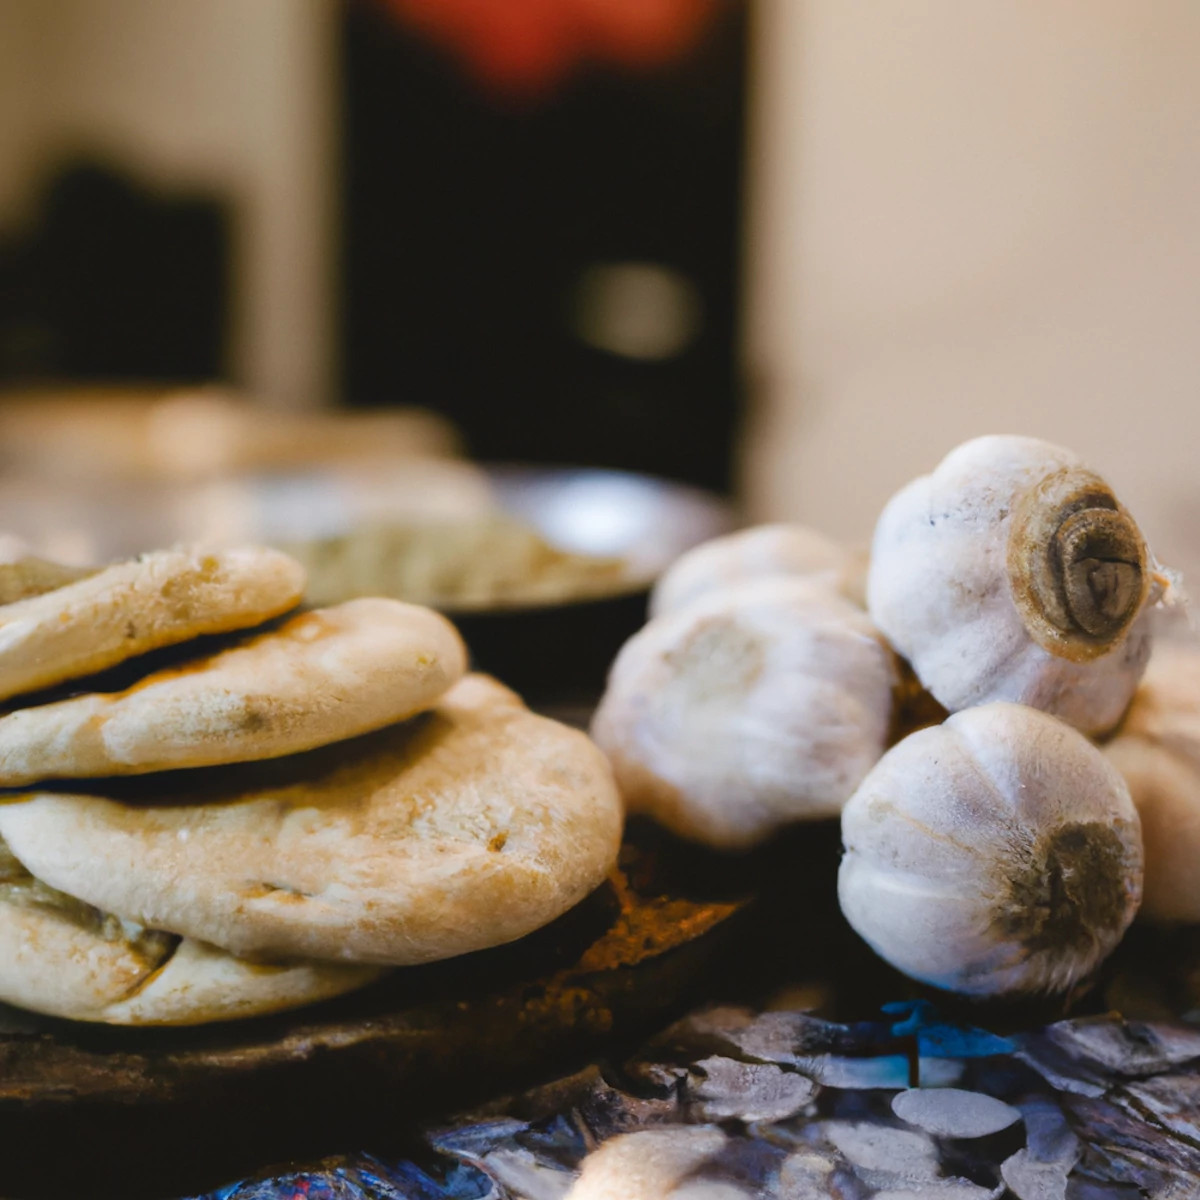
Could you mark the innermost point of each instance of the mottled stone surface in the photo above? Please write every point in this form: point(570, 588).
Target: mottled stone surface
point(1129, 1133)
point(798, 1044)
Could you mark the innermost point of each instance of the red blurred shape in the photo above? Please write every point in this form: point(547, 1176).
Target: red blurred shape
point(529, 46)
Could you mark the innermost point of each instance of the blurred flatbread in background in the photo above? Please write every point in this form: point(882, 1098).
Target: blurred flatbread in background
point(13, 548)
point(91, 474)
point(85, 521)
point(155, 432)
point(22, 575)
point(288, 507)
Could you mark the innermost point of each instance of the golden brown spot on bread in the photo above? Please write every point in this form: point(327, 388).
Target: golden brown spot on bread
point(280, 891)
point(156, 965)
point(254, 717)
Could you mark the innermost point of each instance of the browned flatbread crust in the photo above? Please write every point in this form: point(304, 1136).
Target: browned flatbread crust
point(459, 830)
point(53, 964)
point(320, 677)
point(125, 610)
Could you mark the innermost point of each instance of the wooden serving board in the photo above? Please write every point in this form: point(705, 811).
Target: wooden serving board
point(192, 1106)
point(171, 1113)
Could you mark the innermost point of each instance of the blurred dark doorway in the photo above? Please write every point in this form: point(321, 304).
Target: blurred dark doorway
point(115, 281)
point(558, 275)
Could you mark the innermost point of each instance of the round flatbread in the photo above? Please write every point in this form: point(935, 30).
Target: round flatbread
point(462, 829)
point(320, 677)
point(64, 958)
point(125, 610)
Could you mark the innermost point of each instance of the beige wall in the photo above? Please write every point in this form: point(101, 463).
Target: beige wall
point(235, 95)
point(19, 118)
point(968, 218)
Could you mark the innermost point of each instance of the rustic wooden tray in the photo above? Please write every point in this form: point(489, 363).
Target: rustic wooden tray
point(189, 1107)
point(365, 1079)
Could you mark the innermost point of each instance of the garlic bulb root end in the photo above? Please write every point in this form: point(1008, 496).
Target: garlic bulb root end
point(1078, 565)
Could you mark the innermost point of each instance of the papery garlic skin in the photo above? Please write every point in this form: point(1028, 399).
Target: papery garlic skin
point(664, 1163)
point(1157, 751)
point(956, 590)
point(760, 552)
point(997, 853)
point(748, 709)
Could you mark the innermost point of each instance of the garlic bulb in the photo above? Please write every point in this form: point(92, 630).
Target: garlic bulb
point(1013, 573)
point(761, 552)
point(996, 853)
point(666, 1163)
point(1157, 750)
point(752, 707)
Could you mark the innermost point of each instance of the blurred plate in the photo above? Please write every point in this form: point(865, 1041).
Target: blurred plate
point(548, 650)
point(85, 521)
point(646, 521)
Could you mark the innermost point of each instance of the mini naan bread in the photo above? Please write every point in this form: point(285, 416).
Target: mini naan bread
point(64, 958)
point(320, 677)
point(461, 829)
point(125, 610)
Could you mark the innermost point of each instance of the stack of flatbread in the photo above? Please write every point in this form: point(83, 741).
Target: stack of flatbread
point(273, 814)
